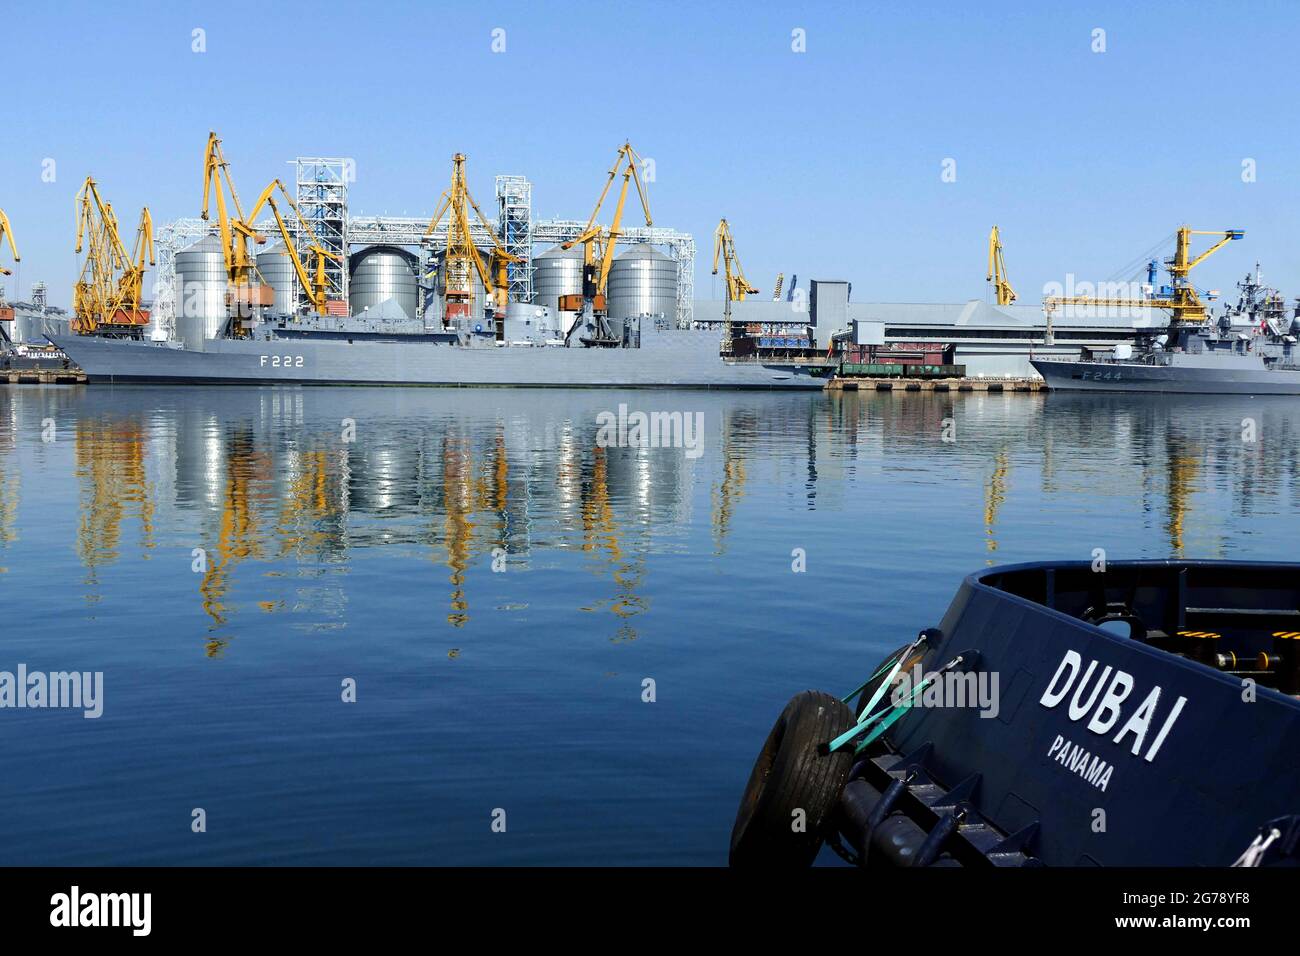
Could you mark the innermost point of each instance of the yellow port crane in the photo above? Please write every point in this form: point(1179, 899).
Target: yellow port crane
point(235, 231)
point(7, 232)
point(1181, 298)
point(461, 257)
point(131, 285)
point(776, 289)
point(598, 241)
point(315, 285)
point(998, 270)
point(107, 297)
point(724, 248)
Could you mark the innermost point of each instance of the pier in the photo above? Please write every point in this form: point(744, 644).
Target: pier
point(43, 376)
point(935, 385)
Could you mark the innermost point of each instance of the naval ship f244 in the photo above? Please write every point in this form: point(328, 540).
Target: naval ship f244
point(1249, 350)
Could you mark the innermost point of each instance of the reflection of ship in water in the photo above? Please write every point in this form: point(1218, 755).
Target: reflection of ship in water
point(267, 484)
point(1168, 449)
point(261, 483)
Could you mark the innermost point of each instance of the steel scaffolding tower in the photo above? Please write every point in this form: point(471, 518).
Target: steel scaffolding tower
point(172, 238)
point(322, 197)
point(515, 227)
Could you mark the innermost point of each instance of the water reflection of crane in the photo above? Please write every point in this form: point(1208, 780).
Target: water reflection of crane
point(727, 494)
point(598, 527)
point(995, 493)
point(8, 507)
point(600, 533)
point(9, 478)
point(465, 492)
point(110, 463)
point(308, 508)
point(458, 530)
point(1183, 470)
point(239, 537)
point(500, 501)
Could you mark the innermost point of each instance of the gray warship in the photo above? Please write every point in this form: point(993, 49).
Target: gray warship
point(1250, 349)
point(383, 349)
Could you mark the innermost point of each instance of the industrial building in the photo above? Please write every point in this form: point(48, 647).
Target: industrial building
point(990, 340)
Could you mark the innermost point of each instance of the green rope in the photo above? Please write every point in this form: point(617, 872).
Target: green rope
point(888, 662)
point(890, 716)
point(867, 718)
point(899, 709)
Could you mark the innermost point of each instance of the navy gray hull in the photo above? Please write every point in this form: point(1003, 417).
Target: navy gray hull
point(1235, 377)
point(677, 358)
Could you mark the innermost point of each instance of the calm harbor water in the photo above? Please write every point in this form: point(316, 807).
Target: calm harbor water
point(500, 586)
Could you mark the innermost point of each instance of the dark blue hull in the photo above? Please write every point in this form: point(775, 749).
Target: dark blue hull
point(1168, 747)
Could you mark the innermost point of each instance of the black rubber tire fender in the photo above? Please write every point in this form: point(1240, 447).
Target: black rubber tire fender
point(792, 774)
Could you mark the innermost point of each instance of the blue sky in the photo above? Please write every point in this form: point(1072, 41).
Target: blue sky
point(827, 162)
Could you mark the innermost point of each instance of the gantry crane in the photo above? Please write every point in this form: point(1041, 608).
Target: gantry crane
point(461, 257)
point(776, 289)
point(597, 241)
point(313, 286)
point(998, 271)
point(1180, 297)
point(724, 248)
point(107, 297)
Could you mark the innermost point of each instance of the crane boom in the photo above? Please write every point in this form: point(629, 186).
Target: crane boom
point(130, 287)
point(594, 235)
point(315, 288)
point(7, 232)
point(1183, 301)
point(998, 270)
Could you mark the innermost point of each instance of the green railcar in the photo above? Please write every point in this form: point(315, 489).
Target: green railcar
point(871, 370)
